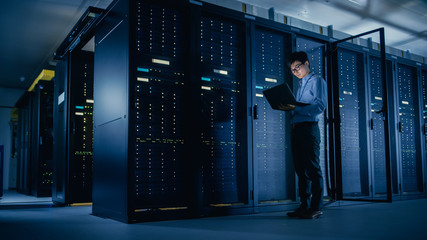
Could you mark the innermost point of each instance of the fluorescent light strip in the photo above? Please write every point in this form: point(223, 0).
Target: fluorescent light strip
point(206, 79)
point(160, 61)
point(405, 102)
point(379, 98)
point(206, 88)
point(89, 100)
point(259, 95)
point(140, 69)
point(141, 79)
point(79, 113)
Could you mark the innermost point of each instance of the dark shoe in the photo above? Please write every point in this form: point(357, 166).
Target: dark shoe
point(311, 214)
point(297, 213)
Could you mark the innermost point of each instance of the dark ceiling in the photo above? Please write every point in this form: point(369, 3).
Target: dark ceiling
point(31, 30)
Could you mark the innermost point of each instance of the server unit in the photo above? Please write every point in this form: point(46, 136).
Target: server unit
point(73, 131)
point(41, 139)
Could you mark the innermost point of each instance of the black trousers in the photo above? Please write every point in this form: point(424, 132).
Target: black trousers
point(305, 139)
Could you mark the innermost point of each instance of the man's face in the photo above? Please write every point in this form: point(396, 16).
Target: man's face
point(299, 69)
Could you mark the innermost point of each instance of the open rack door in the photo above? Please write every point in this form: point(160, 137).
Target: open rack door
point(359, 120)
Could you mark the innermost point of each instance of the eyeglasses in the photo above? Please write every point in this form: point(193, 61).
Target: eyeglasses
point(297, 68)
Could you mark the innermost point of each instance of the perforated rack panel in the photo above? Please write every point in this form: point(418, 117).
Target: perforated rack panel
point(406, 82)
point(159, 103)
point(377, 134)
point(350, 84)
point(271, 140)
point(424, 92)
point(81, 139)
point(222, 106)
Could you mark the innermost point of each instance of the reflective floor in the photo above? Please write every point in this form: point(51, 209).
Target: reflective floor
point(12, 197)
point(397, 220)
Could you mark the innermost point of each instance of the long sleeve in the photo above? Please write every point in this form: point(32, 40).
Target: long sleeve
point(313, 90)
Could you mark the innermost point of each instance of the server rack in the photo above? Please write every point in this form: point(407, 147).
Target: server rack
point(73, 106)
point(223, 118)
point(409, 159)
point(423, 77)
point(376, 126)
point(354, 157)
point(24, 104)
point(274, 175)
point(41, 139)
point(141, 79)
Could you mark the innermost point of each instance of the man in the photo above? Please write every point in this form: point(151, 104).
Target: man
point(305, 136)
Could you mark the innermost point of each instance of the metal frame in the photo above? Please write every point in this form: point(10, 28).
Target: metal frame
point(335, 153)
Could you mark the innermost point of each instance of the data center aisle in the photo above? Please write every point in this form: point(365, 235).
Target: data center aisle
point(397, 220)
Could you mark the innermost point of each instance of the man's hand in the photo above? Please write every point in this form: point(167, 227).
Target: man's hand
point(287, 107)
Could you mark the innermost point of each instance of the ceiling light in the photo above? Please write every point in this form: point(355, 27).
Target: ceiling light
point(361, 3)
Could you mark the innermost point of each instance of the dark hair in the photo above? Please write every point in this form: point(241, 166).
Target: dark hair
point(297, 56)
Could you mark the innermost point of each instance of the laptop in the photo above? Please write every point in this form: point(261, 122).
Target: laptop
point(281, 94)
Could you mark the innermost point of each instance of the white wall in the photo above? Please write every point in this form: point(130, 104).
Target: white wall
point(8, 98)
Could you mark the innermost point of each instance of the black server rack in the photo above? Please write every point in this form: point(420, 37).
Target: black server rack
point(73, 131)
point(81, 126)
point(376, 125)
point(141, 76)
point(316, 54)
point(23, 177)
point(223, 118)
point(424, 108)
point(407, 109)
point(159, 98)
point(353, 126)
point(274, 177)
point(41, 139)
